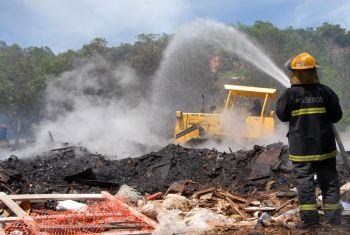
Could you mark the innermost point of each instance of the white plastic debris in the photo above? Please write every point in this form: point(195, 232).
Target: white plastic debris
point(287, 214)
point(174, 201)
point(255, 203)
point(141, 203)
point(345, 188)
point(197, 219)
point(346, 205)
point(129, 193)
point(170, 223)
point(151, 210)
point(195, 222)
point(70, 205)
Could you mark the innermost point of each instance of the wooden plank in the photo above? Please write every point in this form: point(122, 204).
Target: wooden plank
point(12, 205)
point(235, 207)
point(233, 197)
point(58, 197)
point(197, 194)
point(286, 194)
point(8, 219)
point(283, 205)
point(32, 226)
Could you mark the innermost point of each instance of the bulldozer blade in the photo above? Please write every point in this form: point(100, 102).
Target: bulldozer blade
point(186, 131)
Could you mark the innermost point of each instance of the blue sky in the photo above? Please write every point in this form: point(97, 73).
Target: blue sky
point(68, 24)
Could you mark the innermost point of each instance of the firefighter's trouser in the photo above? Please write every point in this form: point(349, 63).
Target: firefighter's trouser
point(327, 177)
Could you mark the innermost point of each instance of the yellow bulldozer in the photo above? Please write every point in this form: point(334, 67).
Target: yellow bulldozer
point(257, 124)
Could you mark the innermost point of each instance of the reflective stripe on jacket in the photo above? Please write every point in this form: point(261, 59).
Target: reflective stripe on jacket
point(311, 110)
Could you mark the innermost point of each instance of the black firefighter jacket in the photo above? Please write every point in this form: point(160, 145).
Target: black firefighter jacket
point(310, 110)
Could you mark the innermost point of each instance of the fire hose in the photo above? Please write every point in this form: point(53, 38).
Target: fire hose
point(342, 150)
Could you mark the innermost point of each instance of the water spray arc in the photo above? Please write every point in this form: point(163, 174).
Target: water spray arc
point(181, 79)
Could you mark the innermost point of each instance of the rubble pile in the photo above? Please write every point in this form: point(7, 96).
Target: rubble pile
point(186, 190)
point(74, 169)
point(223, 212)
point(216, 211)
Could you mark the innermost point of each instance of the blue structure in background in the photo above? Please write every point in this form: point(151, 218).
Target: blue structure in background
point(3, 127)
point(3, 132)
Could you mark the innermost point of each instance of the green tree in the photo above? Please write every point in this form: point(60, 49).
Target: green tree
point(64, 61)
point(147, 53)
point(22, 81)
point(97, 46)
point(120, 53)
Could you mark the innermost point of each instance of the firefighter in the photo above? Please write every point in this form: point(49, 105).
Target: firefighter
point(311, 108)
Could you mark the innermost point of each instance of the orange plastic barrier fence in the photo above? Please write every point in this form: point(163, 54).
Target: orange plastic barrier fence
point(113, 213)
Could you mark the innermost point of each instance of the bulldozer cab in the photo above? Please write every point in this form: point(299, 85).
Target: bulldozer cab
point(260, 121)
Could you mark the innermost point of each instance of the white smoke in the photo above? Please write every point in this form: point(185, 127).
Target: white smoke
point(99, 107)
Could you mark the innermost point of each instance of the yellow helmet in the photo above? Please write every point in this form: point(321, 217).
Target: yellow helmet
point(302, 61)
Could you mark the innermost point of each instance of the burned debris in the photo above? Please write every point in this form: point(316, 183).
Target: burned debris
point(184, 189)
point(74, 168)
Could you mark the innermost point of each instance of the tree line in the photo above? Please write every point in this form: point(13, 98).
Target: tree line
point(24, 72)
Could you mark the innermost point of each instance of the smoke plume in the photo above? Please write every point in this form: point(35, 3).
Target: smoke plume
point(100, 107)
